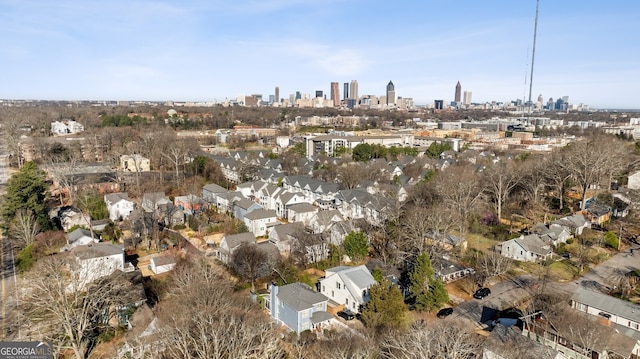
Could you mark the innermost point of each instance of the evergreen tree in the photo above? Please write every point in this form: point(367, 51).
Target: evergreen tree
point(427, 291)
point(356, 245)
point(385, 308)
point(27, 189)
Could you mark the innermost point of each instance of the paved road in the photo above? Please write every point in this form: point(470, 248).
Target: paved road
point(7, 270)
point(511, 292)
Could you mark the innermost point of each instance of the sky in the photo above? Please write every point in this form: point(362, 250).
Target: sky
point(205, 50)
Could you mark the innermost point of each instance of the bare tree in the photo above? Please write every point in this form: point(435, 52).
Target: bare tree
point(24, 228)
point(461, 191)
point(202, 317)
point(251, 263)
point(64, 304)
point(451, 340)
point(558, 174)
point(492, 264)
point(586, 162)
point(501, 179)
point(351, 174)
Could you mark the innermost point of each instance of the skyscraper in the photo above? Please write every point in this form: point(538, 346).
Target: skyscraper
point(318, 93)
point(353, 90)
point(467, 98)
point(277, 99)
point(458, 92)
point(335, 94)
point(345, 95)
point(391, 94)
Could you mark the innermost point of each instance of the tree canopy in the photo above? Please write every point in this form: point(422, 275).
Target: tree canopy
point(356, 245)
point(26, 190)
point(385, 308)
point(428, 292)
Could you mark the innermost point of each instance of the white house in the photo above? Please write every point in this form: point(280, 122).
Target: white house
point(119, 206)
point(614, 310)
point(634, 180)
point(348, 286)
point(97, 260)
point(528, 248)
point(301, 212)
point(66, 127)
point(135, 163)
point(79, 237)
point(162, 264)
point(281, 235)
point(259, 221)
point(230, 243)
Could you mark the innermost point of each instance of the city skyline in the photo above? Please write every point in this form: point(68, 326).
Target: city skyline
point(205, 51)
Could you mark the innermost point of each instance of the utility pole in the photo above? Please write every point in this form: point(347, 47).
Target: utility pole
point(533, 55)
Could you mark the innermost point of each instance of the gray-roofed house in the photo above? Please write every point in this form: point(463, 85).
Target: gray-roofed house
point(323, 220)
point(162, 264)
point(243, 206)
point(98, 260)
point(449, 271)
point(298, 307)
point(119, 206)
point(79, 237)
point(348, 286)
point(623, 313)
point(260, 220)
point(529, 248)
point(156, 202)
point(209, 192)
point(282, 234)
point(71, 216)
point(231, 242)
point(301, 212)
point(576, 223)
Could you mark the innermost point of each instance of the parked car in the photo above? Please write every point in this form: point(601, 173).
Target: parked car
point(481, 293)
point(444, 312)
point(346, 315)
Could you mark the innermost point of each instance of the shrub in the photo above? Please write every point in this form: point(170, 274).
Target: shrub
point(611, 240)
point(570, 241)
point(178, 227)
point(24, 260)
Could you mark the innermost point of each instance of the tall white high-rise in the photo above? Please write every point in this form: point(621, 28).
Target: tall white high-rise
point(353, 89)
point(467, 98)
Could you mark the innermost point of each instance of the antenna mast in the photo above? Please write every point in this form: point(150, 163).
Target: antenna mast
point(533, 54)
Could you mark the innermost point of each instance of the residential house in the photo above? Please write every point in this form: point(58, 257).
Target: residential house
point(324, 220)
point(142, 223)
point(576, 223)
point(175, 217)
point(134, 163)
point(301, 212)
point(266, 196)
point(156, 202)
point(71, 216)
point(358, 203)
point(100, 225)
point(597, 213)
point(243, 206)
point(552, 233)
point(313, 189)
point(259, 221)
point(98, 260)
point(231, 242)
point(282, 234)
point(529, 248)
point(448, 271)
point(163, 264)
point(119, 206)
point(79, 237)
point(624, 314)
point(66, 127)
point(224, 201)
point(634, 180)
point(348, 286)
point(284, 199)
point(190, 204)
point(209, 192)
point(581, 336)
point(298, 307)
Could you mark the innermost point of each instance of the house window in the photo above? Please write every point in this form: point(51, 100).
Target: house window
point(323, 289)
point(332, 294)
point(346, 301)
point(338, 285)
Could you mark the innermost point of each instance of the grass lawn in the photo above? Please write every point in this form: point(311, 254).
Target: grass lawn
point(563, 270)
point(480, 243)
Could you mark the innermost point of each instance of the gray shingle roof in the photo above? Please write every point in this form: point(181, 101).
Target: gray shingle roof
point(299, 296)
point(532, 243)
point(607, 303)
point(235, 240)
point(260, 214)
point(303, 207)
point(97, 250)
